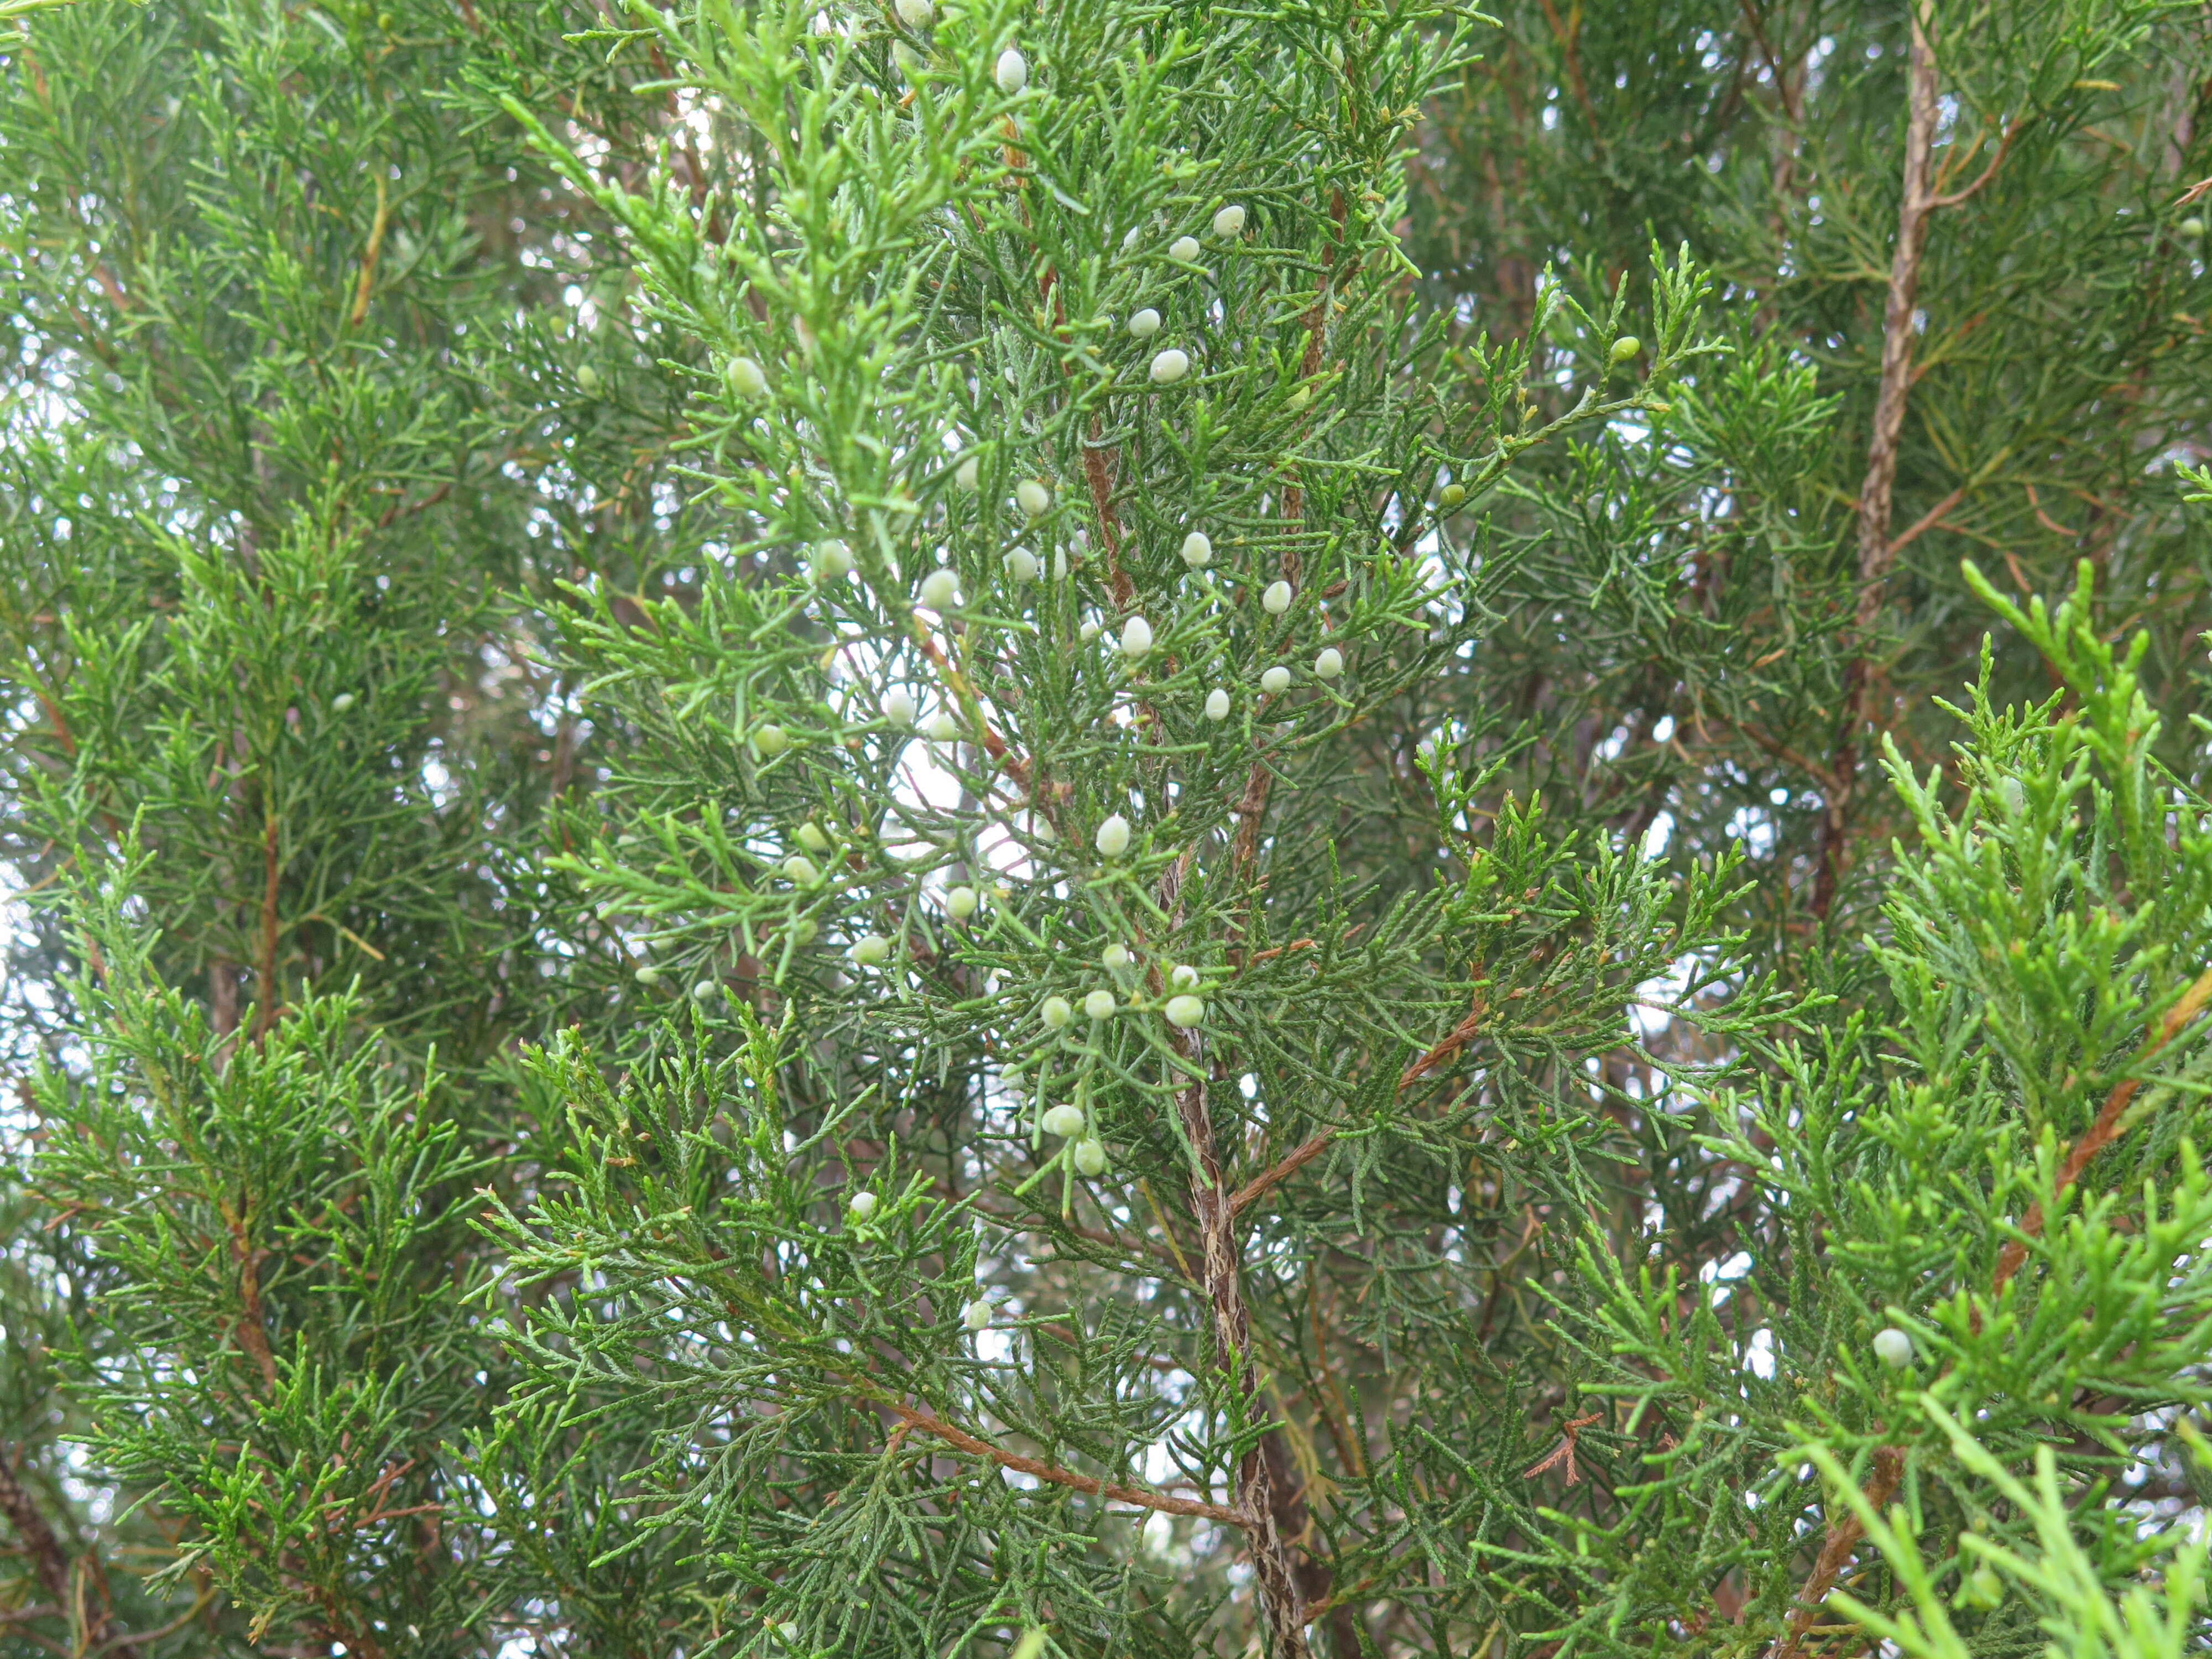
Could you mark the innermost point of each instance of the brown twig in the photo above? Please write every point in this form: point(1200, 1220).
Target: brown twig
point(49, 1563)
point(1165, 1504)
point(1953, 198)
point(403, 508)
point(2101, 1133)
point(1752, 21)
point(1877, 553)
point(1300, 1158)
point(1459, 1037)
point(253, 1334)
point(1843, 1533)
point(268, 1003)
point(1097, 469)
point(1312, 1148)
point(1282, 1602)
point(1569, 1432)
point(1570, 39)
point(1928, 521)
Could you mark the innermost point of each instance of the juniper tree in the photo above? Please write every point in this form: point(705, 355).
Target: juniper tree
point(877, 878)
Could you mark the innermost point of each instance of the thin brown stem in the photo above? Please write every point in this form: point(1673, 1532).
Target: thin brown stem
point(269, 1004)
point(252, 1334)
point(1165, 1503)
point(1303, 1155)
point(1877, 552)
point(50, 1565)
point(1845, 1532)
point(1954, 198)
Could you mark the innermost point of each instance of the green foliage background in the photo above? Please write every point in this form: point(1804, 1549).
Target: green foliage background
point(1726, 906)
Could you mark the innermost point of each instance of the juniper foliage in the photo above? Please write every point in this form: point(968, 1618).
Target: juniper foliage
point(960, 829)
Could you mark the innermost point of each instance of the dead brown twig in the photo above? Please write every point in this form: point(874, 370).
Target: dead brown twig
point(1569, 1432)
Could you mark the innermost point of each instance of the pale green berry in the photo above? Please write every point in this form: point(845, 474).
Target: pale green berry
point(1275, 681)
point(587, 379)
point(1185, 1011)
point(976, 1315)
point(833, 560)
point(1329, 663)
point(861, 1207)
point(1217, 704)
point(1451, 496)
point(811, 838)
point(943, 728)
point(871, 949)
point(1197, 548)
point(1089, 630)
point(769, 741)
point(1146, 323)
point(1022, 565)
point(747, 379)
point(1064, 1120)
point(1056, 1012)
point(960, 903)
point(1184, 976)
point(1184, 248)
point(1090, 1157)
point(940, 589)
point(915, 14)
point(1114, 836)
point(1033, 498)
point(899, 706)
point(1892, 1347)
point(798, 870)
point(648, 975)
point(1116, 955)
point(1229, 221)
point(1276, 599)
point(966, 474)
point(1099, 1005)
point(1012, 71)
point(1136, 639)
point(1626, 346)
point(705, 989)
point(340, 702)
point(1169, 367)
